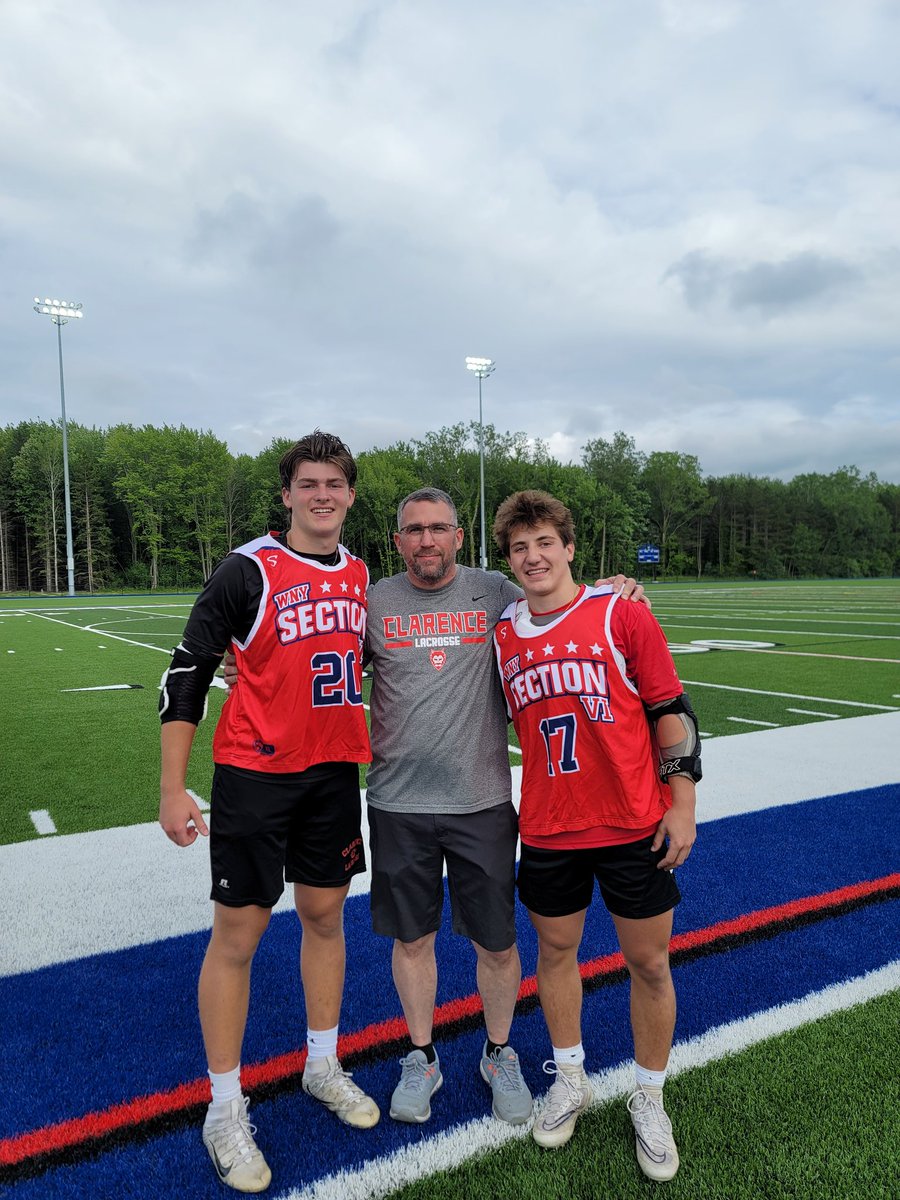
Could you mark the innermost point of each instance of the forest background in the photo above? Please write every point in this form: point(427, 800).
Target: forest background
point(157, 508)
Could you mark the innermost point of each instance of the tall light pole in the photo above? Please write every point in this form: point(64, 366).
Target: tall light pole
point(59, 312)
point(482, 367)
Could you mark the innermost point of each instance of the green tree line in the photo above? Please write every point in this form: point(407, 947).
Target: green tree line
point(158, 507)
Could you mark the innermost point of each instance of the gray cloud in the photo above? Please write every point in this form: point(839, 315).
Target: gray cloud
point(768, 287)
point(655, 215)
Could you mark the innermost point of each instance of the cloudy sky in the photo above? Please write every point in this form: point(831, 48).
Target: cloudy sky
point(679, 218)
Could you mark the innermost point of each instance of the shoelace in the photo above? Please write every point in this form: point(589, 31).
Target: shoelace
point(348, 1092)
point(656, 1128)
point(413, 1074)
point(564, 1094)
point(508, 1074)
point(238, 1138)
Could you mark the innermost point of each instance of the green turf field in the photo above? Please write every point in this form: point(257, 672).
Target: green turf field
point(88, 757)
point(809, 1115)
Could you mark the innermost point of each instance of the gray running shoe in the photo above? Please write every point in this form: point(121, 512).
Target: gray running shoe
point(512, 1099)
point(337, 1091)
point(565, 1102)
point(419, 1080)
point(236, 1157)
point(657, 1153)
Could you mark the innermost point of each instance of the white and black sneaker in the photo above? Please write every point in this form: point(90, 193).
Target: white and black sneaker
point(326, 1081)
point(237, 1158)
point(657, 1153)
point(563, 1105)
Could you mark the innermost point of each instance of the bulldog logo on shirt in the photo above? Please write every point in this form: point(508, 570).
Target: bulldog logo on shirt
point(438, 658)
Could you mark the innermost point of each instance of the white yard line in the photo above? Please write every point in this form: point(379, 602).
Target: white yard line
point(760, 614)
point(38, 612)
point(454, 1146)
point(747, 721)
point(728, 687)
point(42, 821)
point(105, 687)
point(201, 803)
point(814, 654)
point(811, 712)
point(765, 630)
point(104, 633)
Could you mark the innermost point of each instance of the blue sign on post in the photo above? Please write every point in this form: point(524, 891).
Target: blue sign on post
point(648, 553)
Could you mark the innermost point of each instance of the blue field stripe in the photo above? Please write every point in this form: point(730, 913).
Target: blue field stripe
point(303, 1142)
point(113, 1026)
point(65, 1013)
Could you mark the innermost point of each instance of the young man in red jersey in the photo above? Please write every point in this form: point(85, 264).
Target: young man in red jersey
point(610, 755)
point(285, 799)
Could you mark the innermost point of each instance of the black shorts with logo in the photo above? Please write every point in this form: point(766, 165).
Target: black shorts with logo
point(299, 827)
point(409, 851)
point(557, 883)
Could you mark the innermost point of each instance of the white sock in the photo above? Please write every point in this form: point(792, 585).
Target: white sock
point(569, 1056)
point(321, 1043)
point(649, 1079)
point(226, 1086)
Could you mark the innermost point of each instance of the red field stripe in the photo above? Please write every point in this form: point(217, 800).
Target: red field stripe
point(92, 1126)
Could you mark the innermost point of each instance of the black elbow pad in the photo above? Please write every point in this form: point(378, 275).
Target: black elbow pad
point(683, 758)
point(184, 686)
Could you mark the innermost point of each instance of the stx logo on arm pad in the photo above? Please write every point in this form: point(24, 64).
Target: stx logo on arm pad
point(682, 757)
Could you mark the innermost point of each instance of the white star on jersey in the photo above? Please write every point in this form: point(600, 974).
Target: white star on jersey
point(345, 586)
point(548, 649)
point(571, 647)
point(529, 655)
point(326, 587)
point(598, 650)
point(356, 590)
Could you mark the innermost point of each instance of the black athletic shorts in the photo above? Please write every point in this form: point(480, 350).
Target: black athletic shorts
point(557, 883)
point(299, 827)
point(408, 855)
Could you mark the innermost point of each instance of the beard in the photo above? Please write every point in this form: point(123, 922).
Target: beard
point(432, 571)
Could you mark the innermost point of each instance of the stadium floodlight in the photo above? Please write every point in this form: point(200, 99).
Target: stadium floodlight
point(482, 367)
point(59, 312)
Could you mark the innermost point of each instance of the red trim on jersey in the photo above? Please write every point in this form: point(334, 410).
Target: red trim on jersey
point(574, 688)
point(298, 701)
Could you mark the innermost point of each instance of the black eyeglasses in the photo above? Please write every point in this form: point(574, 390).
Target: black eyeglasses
point(436, 529)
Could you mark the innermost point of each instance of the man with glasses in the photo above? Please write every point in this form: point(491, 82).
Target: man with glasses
point(439, 791)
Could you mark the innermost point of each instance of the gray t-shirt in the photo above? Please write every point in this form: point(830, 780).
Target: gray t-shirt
point(439, 736)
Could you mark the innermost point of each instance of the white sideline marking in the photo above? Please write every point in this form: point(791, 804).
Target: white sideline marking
point(103, 687)
point(811, 712)
point(42, 821)
point(747, 721)
point(78, 888)
point(757, 614)
point(821, 633)
point(812, 654)
point(58, 649)
point(452, 1147)
point(728, 687)
point(103, 633)
point(514, 749)
point(201, 803)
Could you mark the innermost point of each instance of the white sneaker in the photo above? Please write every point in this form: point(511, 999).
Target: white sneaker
point(336, 1090)
point(237, 1158)
point(657, 1153)
point(565, 1102)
